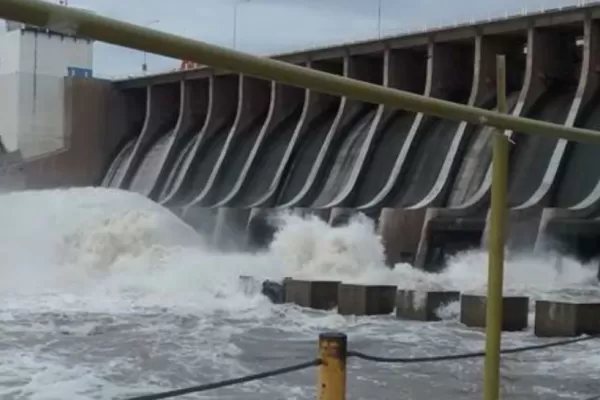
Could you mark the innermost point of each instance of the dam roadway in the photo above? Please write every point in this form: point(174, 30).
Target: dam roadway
point(226, 150)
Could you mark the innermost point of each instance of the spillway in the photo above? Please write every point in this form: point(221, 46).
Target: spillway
point(390, 139)
point(234, 149)
point(339, 164)
point(579, 177)
point(118, 166)
point(532, 153)
point(151, 165)
point(425, 160)
point(268, 161)
point(201, 165)
point(306, 154)
point(476, 160)
point(178, 170)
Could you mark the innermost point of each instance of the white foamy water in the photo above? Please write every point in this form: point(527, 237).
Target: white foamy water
point(105, 295)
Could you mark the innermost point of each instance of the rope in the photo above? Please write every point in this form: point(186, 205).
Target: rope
point(357, 354)
point(451, 357)
point(228, 382)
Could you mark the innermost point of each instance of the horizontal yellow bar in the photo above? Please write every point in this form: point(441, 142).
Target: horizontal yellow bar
point(87, 24)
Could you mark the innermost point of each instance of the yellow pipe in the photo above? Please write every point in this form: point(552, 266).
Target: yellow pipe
point(78, 22)
point(498, 217)
point(332, 371)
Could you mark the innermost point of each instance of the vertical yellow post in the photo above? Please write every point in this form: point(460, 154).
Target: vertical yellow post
point(332, 372)
point(496, 245)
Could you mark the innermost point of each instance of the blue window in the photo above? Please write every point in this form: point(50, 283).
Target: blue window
point(81, 72)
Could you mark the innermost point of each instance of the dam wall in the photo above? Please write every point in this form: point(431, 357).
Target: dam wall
point(97, 120)
point(227, 151)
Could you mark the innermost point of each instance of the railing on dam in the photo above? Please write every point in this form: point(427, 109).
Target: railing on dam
point(333, 347)
point(410, 28)
point(405, 26)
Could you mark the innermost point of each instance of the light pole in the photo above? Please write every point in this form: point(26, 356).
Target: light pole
point(379, 18)
point(235, 19)
point(145, 63)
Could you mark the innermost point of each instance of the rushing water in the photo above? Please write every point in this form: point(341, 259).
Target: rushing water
point(104, 294)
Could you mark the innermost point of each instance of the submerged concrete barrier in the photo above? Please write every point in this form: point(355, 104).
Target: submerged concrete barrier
point(514, 312)
point(555, 318)
point(319, 295)
point(366, 299)
point(422, 306)
point(273, 290)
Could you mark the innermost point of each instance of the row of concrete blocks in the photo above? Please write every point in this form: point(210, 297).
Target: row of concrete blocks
point(551, 318)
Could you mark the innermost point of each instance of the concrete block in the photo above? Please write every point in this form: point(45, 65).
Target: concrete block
point(320, 295)
point(554, 318)
point(274, 291)
point(422, 306)
point(514, 316)
point(366, 299)
point(400, 232)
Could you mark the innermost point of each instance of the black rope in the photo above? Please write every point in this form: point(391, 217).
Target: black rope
point(451, 357)
point(357, 354)
point(228, 382)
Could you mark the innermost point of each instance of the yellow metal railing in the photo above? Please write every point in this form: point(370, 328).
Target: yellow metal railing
point(493, 323)
point(78, 22)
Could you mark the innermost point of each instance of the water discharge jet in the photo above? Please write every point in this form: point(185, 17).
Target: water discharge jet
point(148, 279)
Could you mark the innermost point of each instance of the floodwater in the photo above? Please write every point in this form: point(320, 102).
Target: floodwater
point(107, 295)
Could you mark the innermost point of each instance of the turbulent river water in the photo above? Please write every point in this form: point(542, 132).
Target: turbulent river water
point(105, 294)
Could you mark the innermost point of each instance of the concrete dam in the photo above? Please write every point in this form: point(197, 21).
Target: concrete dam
point(225, 150)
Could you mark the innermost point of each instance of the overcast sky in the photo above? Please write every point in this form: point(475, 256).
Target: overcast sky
point(275, 26)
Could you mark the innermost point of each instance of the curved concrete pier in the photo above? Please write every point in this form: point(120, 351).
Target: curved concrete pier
point(415, 165)
point(305, 163)
point(223, 103)
point(415, 159)
point(362, 152)
point(198, 107)
point(349, 113)
point(577, 193)
point(193, 110)
point(482, 95)
point(267, 148)
point(162, 110)
point(271, 161)
point(536, 160)
point(404, 70)
point(353, 137)
point(313, 104)
point(463, 171)
point(117, 166)
point(253, 100)
point(467, 220)
point(255, 96)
